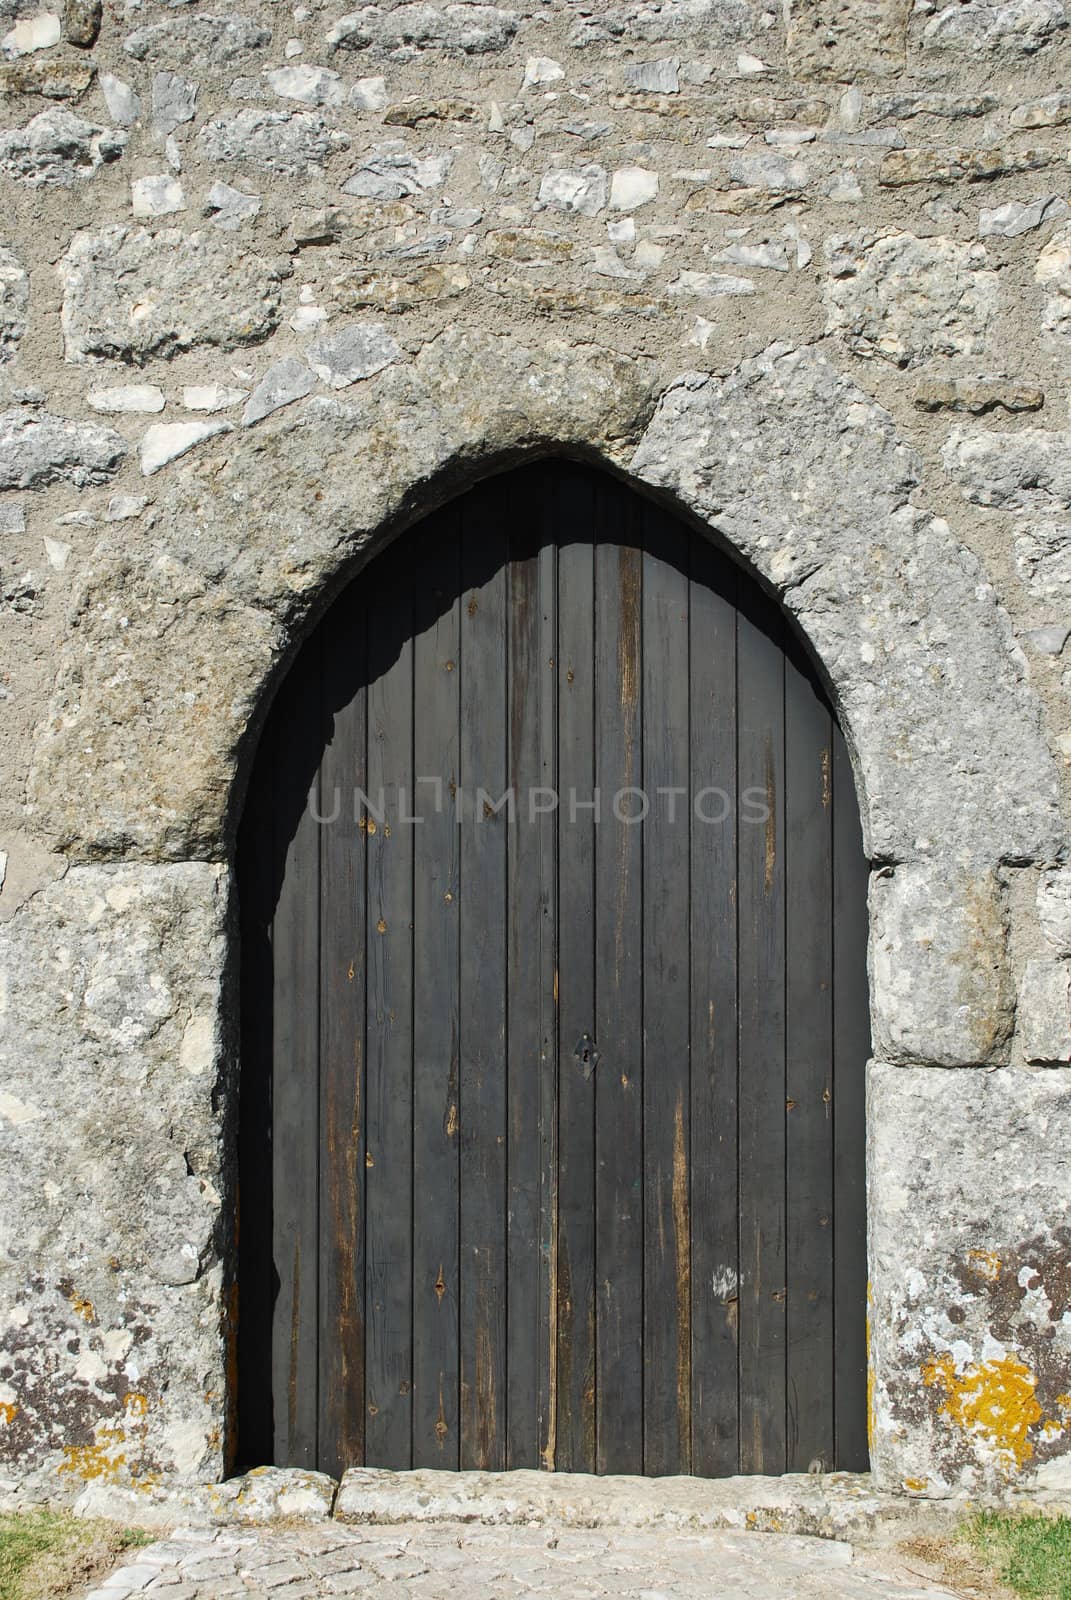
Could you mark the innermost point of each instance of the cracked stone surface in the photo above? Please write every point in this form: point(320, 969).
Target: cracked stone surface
point(437, 1561)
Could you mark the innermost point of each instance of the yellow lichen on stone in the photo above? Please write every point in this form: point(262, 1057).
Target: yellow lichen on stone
point(103, 1461)
point(996, 1399)
point(916, 1485)
point(83, 1307)
point(8, 1413)
point(986, 1263)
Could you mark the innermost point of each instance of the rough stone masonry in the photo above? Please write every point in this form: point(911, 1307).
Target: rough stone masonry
point(275, 281)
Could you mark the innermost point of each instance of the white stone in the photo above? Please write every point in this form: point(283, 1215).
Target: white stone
point(1045, 1012)
point(631, 187)
point(124, 105)
point(764, 170)
point(1054, 908)
point(391, 172)
point(608, 264)
point(158, 196)
point(582, 191)
point(905, 299)
point(124, 507)
point(1049, 640)
point(166, 441)
point(292, 48)
point(57, 553)
point(623, 231)
point(348, 354)
point(541, 69)
point(649, 254)
point(211, 397)
point(174, 101)
point(32, 33)
point(1018, 216)
point(136, 397)
point(285, 381)
point(312, 86)
point(654, 77)
point(709, 283)
point(306, 318)
point(369, 94)
point(749, 66)
point(229, 207)
point(772, 255)
point(12, 517)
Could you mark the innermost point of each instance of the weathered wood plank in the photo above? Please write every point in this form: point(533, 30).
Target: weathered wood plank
point(342, 1014)
point(530, 956)
point(667, 1327)
point(295, 1056)
point(851, 1048)
point(809, 1068)
point(619, 1167)
point(436, 1021)
point(761, 889)
point(576, 977)
point(715, 802)
point(483, 981)
point(389, 1049)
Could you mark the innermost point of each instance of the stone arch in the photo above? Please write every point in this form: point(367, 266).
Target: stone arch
point(182, 627)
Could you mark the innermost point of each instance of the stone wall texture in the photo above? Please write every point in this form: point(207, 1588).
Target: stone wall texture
point(275, 281)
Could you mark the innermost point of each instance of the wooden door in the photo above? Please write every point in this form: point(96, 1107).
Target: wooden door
point(554, 1014)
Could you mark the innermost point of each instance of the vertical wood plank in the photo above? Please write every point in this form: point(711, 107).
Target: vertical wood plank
point(436, 1041)
point(483, 981)
point(851, 1049)
point(530, 957)
point(575, 1299)
point(809, 1068)
point(715, 801)
point(760, 674)
point(389, 1097)
point(259, 871)
point(667, 1337)
point(342, 1013)
point(619, 982)
point(295, 1065)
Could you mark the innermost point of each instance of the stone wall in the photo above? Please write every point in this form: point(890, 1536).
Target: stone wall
point(274, 282)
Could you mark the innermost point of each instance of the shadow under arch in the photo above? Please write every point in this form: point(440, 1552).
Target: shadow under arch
point(301, 723)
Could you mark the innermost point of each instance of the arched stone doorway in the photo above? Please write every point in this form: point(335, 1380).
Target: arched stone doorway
point(555, 1013)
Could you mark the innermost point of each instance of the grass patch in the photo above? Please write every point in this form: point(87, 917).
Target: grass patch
point(1031, 1554)
point(44, 1554)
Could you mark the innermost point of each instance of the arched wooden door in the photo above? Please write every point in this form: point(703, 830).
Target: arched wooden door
point(554, 1014)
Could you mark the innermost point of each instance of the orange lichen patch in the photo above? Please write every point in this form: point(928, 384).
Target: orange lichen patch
point(8, 1413)
point(986, 1263)
point(82, 1307)
point(996, 1399)
point(916, 1485)
point(103, 1461)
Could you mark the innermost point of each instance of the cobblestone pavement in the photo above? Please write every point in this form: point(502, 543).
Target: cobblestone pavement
point(443, 1561)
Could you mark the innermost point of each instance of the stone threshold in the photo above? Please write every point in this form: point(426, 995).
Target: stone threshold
point(838, 1505)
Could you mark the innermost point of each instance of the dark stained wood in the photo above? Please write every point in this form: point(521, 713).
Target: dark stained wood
point(436, 1016)
point(575, 1297)
point(808, 1069)
point(551, 1130)
point(851, 1048)
point(342, 1014)
point(761, 1111)
point(530, 960)
point(667, 1310)
point(389, 1098)
point(483, 907)
point(619, 1168)
point(713, 934)
point(295, 1059)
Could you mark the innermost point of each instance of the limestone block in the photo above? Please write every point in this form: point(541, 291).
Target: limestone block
point(392, 171)
point(290, 143)
point(81, 22)
point(969, 1246)
point(900, 168)
point(465, 29)
point(107, 275)
point(312, 86)
point(348, 354)
point(37, 448)
point(1050, 111)
point(1054, 908)
point(197, 39)
point(285, 381)
point(907, 299)
point(807, 477)
point(1016, 217)
point(167, 441)
point(56, 148)
point(14, 302)
point(1045, 1012)
point(54, 80)
point(940, 990)
point(174, 101)
point(111, 1171)
point(1001, 29)
point(976, 395)
point(1043, 561)
point(840, 40)
point(1029, 469)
